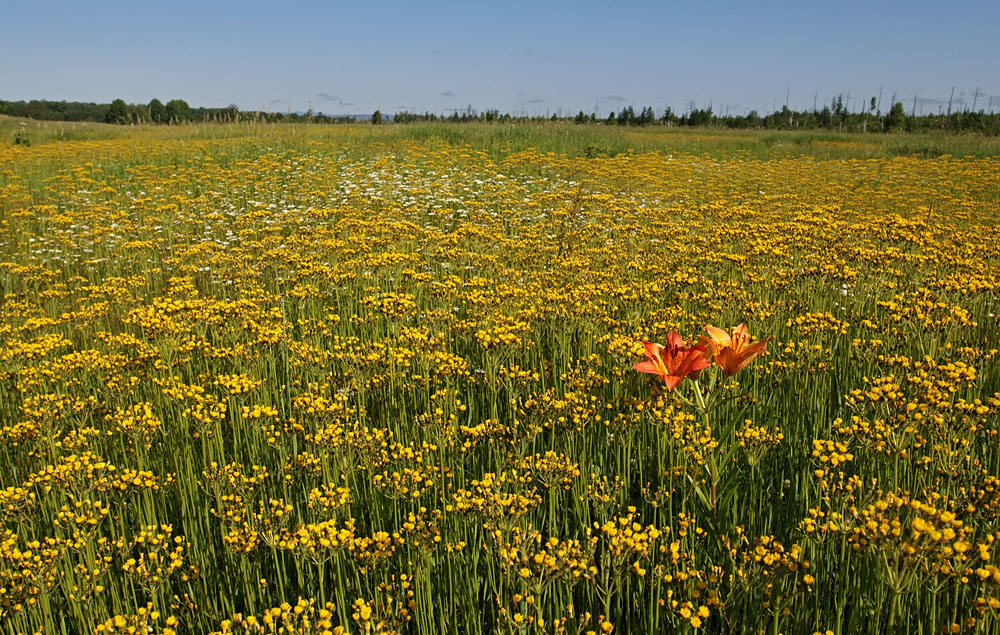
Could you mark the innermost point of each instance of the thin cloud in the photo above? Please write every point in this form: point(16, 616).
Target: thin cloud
point(276, 101)
point(617, 98)
point(535, 54)
point(327, 97)
point(448, 93)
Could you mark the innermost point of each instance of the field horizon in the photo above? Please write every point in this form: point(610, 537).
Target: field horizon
point(560, 137)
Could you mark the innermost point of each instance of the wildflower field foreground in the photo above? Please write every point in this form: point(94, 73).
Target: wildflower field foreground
point(324, 380)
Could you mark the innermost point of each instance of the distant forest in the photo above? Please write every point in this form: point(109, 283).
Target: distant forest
point(835, 116)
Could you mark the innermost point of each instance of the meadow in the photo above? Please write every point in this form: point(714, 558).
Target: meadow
point(381, 379)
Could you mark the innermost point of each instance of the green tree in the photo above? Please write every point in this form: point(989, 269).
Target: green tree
point(117, 112)
point(377, 117)
point(627, 116)
point(178, 110)
point(157, 111)
point(896, 117)
point(824, 119)
point(35, 109)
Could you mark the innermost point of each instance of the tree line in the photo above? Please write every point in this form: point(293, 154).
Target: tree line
point(117, 112)
point(175, 111)
point(834, 116)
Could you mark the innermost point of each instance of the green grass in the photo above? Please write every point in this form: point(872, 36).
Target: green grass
point(589, 140)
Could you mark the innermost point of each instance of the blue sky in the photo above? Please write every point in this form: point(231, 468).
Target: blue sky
point(519, 57)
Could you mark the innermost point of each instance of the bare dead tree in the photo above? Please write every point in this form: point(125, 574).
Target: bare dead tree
point(947, 123)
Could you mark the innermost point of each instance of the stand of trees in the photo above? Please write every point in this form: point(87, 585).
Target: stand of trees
point(468, 115)
point(117, 112)
point(837, 117)
point(834, 116)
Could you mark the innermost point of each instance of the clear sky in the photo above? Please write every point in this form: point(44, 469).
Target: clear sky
point(520, 57)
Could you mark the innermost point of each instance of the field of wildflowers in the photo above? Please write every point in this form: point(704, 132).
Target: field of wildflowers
point(278, 381)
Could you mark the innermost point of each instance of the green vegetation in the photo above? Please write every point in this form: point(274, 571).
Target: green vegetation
point(501, 139)
point(836, 117)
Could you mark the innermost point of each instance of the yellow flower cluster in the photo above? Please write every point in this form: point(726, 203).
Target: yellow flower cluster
point(537, 561)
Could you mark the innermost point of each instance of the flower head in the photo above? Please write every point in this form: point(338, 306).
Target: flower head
point(673, 362)
point(732, 351)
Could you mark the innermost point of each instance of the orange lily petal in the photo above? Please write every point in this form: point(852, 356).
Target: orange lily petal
point(718, 337)
point(652, 349)
point(728, 361)
point(674, 340)
point(647, 367)
point(671, 381)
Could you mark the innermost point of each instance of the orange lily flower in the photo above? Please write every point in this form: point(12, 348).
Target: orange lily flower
point(732, 351)
point(673, 362)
